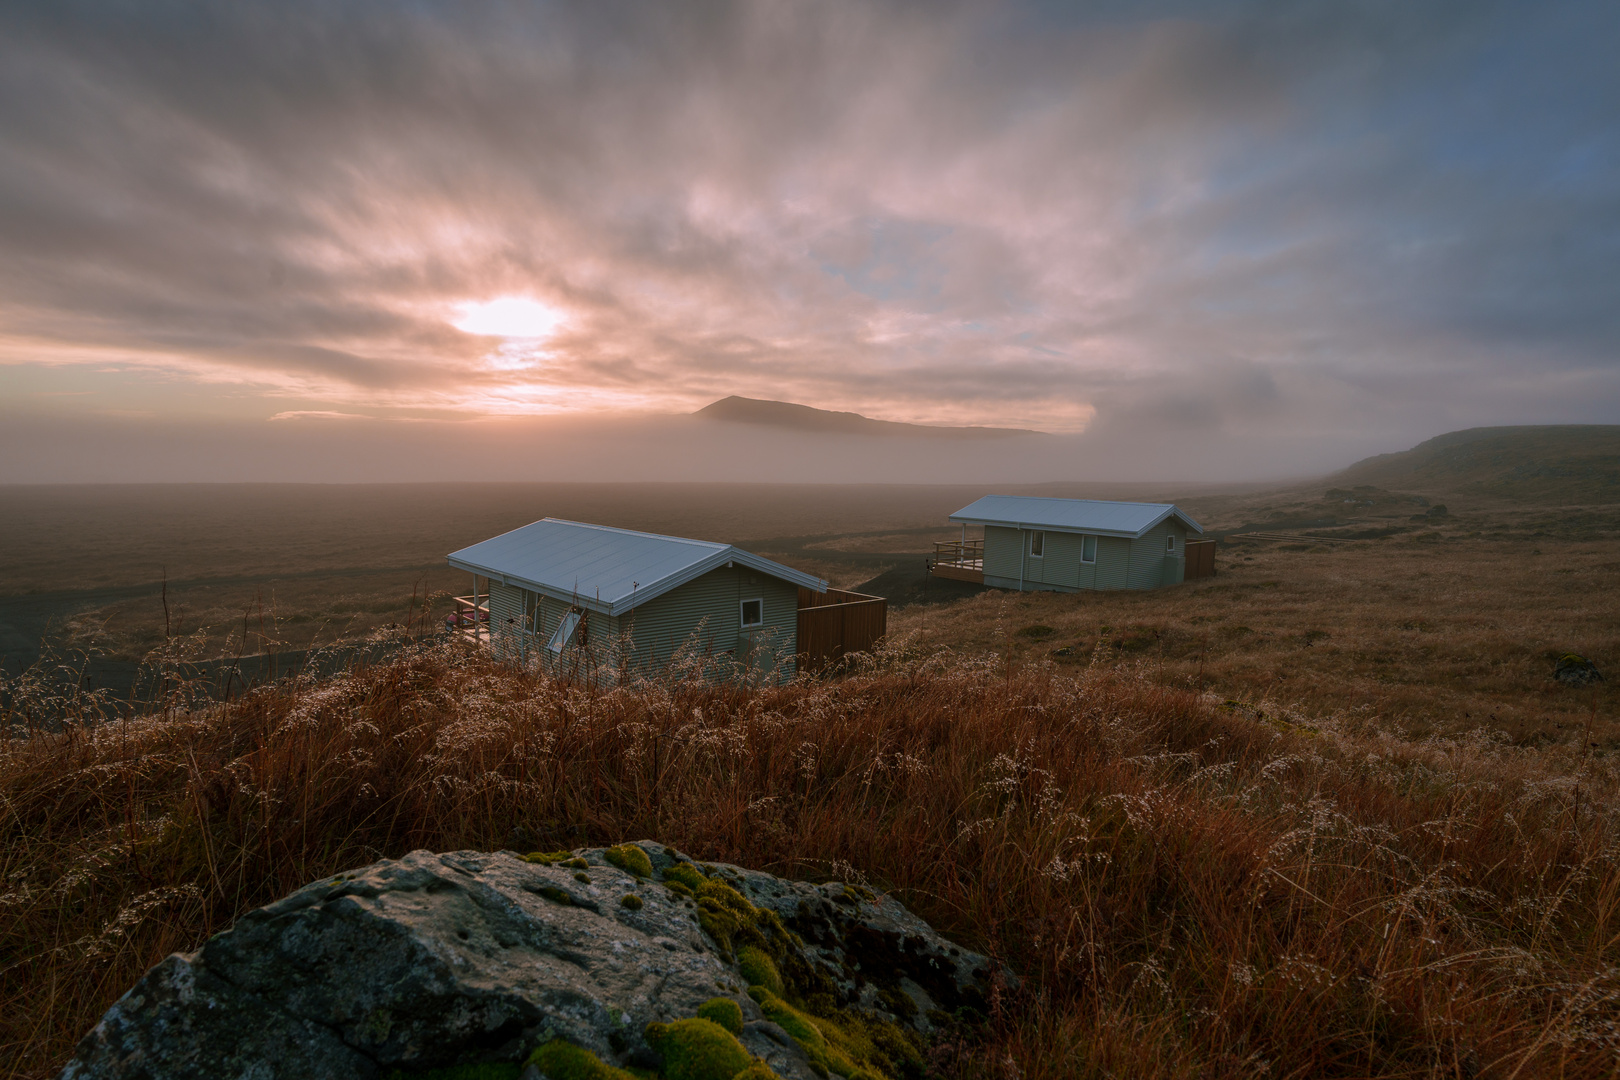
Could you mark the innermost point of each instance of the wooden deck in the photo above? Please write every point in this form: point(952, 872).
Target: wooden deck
point(958, 560)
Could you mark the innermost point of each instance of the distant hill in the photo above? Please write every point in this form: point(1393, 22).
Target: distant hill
point(786, 416)
point(1556, 464)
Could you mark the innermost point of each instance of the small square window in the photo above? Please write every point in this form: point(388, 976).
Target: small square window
point(1037, 544)
point(753, 612)
point(1170, 543)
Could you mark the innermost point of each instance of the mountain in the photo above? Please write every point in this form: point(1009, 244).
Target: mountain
point(1551, 464)
point(786, 416)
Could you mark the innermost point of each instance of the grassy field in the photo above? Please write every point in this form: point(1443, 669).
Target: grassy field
point(1425, 636)
point(1189, 890)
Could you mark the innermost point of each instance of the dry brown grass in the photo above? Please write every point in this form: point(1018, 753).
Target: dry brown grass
point(1422, 637)
point(1188, 890)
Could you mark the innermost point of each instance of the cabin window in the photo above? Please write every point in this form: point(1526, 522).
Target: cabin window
point(565, 631)
point(753, 612)
point(531, 612)
point(1037, 544)
point(1170, 543)
point(1088, 549)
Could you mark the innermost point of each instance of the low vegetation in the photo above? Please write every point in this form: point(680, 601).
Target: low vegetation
point(1190, 887)
point(1421, 637)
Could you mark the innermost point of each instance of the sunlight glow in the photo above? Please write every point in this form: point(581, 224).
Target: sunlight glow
point(508, 316)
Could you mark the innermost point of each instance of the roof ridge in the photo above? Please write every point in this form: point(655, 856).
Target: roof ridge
point(638, 532)
point(1066, 499)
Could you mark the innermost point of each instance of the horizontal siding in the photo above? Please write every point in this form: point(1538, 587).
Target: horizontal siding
point(506, 621)
point(1147, 561)
point(703, 618)
point(1148, 555)
point(1061, 565)
point(1001, 552)
point(1113, 563)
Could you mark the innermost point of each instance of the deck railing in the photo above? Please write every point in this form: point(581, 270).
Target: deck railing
point(963, 554)
point(470, 618)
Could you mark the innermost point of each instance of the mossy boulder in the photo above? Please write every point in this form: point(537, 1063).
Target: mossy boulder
point(474, 963)
point(1572, 669)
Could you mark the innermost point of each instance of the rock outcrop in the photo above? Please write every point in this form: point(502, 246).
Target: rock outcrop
point(575, 962)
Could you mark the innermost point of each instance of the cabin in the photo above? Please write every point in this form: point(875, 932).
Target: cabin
point(608, 604)
point(1072, 545)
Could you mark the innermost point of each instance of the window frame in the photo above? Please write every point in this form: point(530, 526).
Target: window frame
point(567, 627)
point(742, 613)
point(1170, 542)
point(1091, 540)
point(1037, 539)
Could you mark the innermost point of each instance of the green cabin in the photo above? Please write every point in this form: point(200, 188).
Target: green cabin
point(607, 604)
point(1068, 545)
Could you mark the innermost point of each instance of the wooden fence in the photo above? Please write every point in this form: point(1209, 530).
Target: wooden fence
point(837, 622)
point(1200, 556)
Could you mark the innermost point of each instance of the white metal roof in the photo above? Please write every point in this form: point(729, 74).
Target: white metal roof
point(1071, 515)
point(609, 570)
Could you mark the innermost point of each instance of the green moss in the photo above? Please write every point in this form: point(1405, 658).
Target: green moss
point(697, 1049)
point(757, 1071)
point(631, 901)
point(577, 864)
point(722, 912)
point(723, 1011)
point(548, 858)
point(898, 1002)
point(831, 1047)
point(556, 895)
point(687, 875)
point(505, 1071)
point(629, 858)
point(583, 879)
point(758, 969)
point(559, 1060)
point(680, 890)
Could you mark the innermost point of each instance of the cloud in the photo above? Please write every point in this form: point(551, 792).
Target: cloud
point(1235, 218)
point(317, 414)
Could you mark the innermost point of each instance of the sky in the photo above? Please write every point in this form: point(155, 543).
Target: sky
point(351, 240)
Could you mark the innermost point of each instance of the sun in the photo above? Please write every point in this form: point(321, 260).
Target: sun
point(509, 317)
